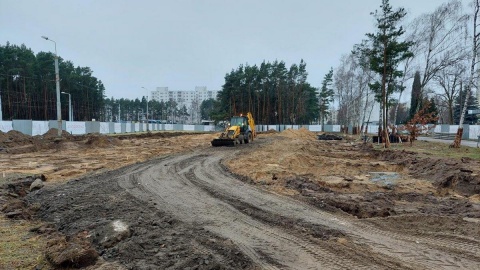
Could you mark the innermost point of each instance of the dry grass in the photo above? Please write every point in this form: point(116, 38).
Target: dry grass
point(434, 149)
point(19, 248)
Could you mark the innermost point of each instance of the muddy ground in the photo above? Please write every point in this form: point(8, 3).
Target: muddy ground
point(287, 200)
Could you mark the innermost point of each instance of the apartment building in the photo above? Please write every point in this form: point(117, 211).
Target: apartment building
point(190, 99)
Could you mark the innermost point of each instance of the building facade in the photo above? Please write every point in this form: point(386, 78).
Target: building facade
point(190, 99)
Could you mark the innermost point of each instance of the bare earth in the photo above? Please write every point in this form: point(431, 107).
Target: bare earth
point(284, 201)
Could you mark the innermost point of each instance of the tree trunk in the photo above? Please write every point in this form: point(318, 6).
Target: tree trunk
point(458, 137)
point(384, 98)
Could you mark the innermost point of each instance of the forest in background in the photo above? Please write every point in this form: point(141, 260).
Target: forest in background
point(433, 50)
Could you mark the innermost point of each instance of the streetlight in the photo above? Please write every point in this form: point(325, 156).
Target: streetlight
point(147, 106)
point(57, 82)
point(70, 113)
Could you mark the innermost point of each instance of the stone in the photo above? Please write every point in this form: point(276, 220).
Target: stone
point(112, 233)
point(37, 184)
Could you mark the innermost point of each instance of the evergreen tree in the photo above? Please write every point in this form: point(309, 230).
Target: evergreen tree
point(385, 53)
point(326, 96)
point(271, 92)
point(416, 98)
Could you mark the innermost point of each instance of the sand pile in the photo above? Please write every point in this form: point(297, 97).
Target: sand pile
point(53, 133)
point(14, 138)
point(102, 141)
point(302, 133)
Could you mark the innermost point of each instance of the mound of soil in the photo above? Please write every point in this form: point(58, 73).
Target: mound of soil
point(75, 251)
point(14, 138)
point(53, 134)
point(381, 204)
point(301, 133)
point(17, 136)
point(462, 176)
point(329, 137)
point(12, 191)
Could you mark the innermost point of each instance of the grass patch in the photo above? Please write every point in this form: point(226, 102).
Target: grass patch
point(19, 248)
point(434, 149)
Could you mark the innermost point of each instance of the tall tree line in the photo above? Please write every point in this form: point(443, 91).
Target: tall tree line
point(273, 93)
point(123, 109)
point(27, 86)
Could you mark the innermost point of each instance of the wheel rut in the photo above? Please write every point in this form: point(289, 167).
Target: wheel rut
point(278, 232)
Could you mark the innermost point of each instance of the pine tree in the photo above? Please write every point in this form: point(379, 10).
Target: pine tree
point(326, 96)
point(415, 101)
point(385, 53)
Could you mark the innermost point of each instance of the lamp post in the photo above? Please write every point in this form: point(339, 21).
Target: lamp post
point(57, 83)
point(70, 113)
point(147, 106)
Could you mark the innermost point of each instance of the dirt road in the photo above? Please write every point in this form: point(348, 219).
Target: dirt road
point(286, 201)
point(195, 189)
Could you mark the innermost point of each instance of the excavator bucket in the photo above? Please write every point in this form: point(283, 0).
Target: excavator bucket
point(227, 138)
point(224, 142)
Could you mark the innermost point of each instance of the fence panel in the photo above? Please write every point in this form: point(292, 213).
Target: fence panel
point(315, 128)
point(6, 126)
point(39, 127)
point(474, 132)
point(104, 128)
point(76, 128)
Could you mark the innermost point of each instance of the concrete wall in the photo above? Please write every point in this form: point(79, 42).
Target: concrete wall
point(33, 128)
point(92, 127)
point(24, 126)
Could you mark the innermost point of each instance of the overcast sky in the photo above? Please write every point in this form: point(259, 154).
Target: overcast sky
point(186, 43)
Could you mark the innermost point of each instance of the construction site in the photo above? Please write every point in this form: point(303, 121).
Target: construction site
point(286, 200)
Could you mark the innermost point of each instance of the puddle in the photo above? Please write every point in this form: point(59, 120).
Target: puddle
point(384, 178)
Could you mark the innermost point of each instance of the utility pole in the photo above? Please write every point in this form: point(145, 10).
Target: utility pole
point(147, 107)
point(57, 83)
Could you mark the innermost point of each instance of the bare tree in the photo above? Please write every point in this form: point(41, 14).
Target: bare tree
point(351, 86)
point(450, 81)
point(439, 38)
point(471, 79)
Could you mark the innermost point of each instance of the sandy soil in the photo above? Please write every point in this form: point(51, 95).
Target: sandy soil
point(76, 156)
point(285, 201)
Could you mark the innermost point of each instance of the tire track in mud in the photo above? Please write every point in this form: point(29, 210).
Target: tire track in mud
point(196, 189)
point(428, 251)
point(267, 246)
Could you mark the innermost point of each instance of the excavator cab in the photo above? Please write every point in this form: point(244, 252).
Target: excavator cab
point(240, 121)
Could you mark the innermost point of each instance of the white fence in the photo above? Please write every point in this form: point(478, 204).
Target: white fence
point(469, 132)
point(33, 128)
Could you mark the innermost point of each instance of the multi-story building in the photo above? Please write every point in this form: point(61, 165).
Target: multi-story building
point(190, 99)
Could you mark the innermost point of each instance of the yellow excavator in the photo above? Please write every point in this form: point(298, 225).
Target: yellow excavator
point(240, 130)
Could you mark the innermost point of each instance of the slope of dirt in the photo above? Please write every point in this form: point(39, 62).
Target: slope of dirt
point(461, 176)
point(352, 177)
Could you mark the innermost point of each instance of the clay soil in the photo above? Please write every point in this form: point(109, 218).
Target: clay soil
point(285, 201)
